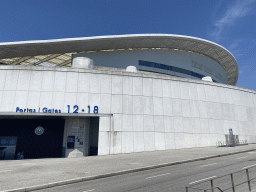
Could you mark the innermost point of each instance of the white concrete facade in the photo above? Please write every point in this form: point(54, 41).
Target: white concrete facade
point(137, 112)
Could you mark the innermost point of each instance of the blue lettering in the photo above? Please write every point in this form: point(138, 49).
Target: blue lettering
point(45, 110)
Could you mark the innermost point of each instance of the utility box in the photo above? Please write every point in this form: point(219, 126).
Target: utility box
point(231, 138)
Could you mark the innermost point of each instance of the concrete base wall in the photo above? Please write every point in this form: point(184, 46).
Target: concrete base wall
point(138, 111)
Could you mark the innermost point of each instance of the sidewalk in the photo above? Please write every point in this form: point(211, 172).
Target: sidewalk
point(32, 174)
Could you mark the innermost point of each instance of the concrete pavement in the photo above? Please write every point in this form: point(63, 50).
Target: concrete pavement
point(33, 174)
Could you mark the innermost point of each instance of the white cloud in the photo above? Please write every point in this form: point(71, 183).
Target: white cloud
point(235, 47)
point(234, 44)
point(240, 9)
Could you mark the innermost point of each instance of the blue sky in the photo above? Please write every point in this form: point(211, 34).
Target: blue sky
point(230, 23)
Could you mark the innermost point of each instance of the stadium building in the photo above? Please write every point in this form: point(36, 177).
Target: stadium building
point(119, 94)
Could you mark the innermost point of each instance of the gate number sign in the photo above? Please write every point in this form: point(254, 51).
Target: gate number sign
point(94, 109)
point(76, 108)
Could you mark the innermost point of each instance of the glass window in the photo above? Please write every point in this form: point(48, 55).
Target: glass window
point(170, 68)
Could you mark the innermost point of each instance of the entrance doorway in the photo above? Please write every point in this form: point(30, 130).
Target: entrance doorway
point(36, 137)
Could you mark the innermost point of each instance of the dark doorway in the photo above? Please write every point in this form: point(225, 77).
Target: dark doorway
point(93, 135)
point(32, 143)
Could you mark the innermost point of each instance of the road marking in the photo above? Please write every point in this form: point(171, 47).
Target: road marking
point(133, 163)
point(201, 180)
point(90, 190)
point(242, 157)
point(251, 152)
point(5, 171)
point(158, 176)
point(249, 166)
point(209, 165)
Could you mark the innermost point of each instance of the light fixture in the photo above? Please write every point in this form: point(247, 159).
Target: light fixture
point(39, 130)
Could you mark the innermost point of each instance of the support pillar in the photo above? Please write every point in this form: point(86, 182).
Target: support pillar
point(77, 128)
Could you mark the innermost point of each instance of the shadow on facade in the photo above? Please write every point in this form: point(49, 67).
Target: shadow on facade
point(31, 138)
point(39, 137)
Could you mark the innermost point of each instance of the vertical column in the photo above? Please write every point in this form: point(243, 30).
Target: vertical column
point(64, 143)
point(104, 142)
point(77, 136)
point(85, 133)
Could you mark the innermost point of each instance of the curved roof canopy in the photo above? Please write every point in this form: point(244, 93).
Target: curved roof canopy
point(59, 51)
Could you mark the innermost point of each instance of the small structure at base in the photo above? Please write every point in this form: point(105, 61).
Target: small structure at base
point(132, 69)
point(82, 62)
point(207, 78)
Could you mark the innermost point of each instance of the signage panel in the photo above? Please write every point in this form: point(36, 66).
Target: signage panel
point(76, 109)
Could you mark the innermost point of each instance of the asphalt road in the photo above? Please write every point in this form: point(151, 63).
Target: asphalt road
point(173, 178)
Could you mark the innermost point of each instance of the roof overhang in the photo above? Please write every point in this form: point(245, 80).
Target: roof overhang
point(59, 51)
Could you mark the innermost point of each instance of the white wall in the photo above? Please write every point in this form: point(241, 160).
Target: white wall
point(146, 112)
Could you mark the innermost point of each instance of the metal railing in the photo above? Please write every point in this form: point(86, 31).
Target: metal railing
point(240, 181)
point(227, 143)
